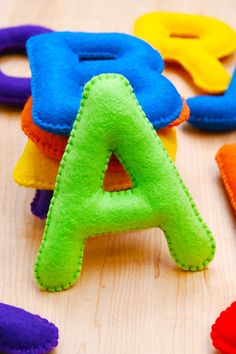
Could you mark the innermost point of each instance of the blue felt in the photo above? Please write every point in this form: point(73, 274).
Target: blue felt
point(214, 113)
point(62, 62)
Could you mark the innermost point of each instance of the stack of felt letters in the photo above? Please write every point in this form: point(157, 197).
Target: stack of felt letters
point(61, 64)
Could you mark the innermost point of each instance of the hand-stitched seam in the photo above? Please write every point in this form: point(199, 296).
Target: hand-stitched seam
point(226, 181)
point(159, 122)
point(212, 119)
point(128, 171)
point(57, 189)
point(35, 350)
point(183, 116)
point(36, 183)
point(28, 351)
point(47, 346)
point(49, 151)
point(55, 152)
point(105, 164)
point(46, 147)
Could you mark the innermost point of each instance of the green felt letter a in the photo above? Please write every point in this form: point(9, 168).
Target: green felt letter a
point(110, 120)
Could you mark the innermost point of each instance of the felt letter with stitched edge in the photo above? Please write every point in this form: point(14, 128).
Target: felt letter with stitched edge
point(36, 170)
point(196, 42)
point(14, 91)
point(54, 145)
point(226, 160)
point(215, 113)
point(21, 332)
point(80, 208)
point(62, 63)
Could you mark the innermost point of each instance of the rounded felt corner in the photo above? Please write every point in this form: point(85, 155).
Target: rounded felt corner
point(215, 113)
point(24, 332)
point(56, 117)
point(189, 240)
point(222, 331)
point(194, 41)
point(226, 161)
point(16, 90)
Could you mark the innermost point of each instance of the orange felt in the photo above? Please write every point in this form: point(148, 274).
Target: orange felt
point(184, 115)
point(51, 144)
point(36, 170)
point(54, 145)
point(116, 178)
point(226, 160)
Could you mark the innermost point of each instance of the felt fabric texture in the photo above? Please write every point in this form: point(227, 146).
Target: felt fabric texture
point(35, 170)
point(15, 91)
point(51, 144)
point(62, 62)
point(223, 332)
point(158, 197)
point(54, 145)
point(194, 41)
point(40, 203)
point(117, 179)
point(215, 113)
point(24, 333)
point(226, 160)
point(184, 115)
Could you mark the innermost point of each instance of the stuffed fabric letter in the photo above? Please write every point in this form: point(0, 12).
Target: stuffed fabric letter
point(14, 91)
point(215, 113)
point(196, 42)
point(36, 170)
point(226, 160)
point(53, 145)
point(62, 63)
point(80, 208)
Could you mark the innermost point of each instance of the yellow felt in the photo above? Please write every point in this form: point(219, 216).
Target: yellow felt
point(36, 170)
point(194, 41)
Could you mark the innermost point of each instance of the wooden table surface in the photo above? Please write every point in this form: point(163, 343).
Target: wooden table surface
point(131, 298)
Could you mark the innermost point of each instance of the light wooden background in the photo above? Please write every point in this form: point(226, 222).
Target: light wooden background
point(131, 298)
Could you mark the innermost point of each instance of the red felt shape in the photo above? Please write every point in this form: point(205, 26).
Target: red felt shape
point(223, 333)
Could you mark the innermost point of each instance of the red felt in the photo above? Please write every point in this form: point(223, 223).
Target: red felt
point(223, 332)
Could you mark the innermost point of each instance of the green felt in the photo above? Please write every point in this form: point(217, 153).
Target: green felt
point(80, 208)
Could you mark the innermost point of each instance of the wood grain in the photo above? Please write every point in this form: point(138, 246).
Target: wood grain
point(130, 298)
